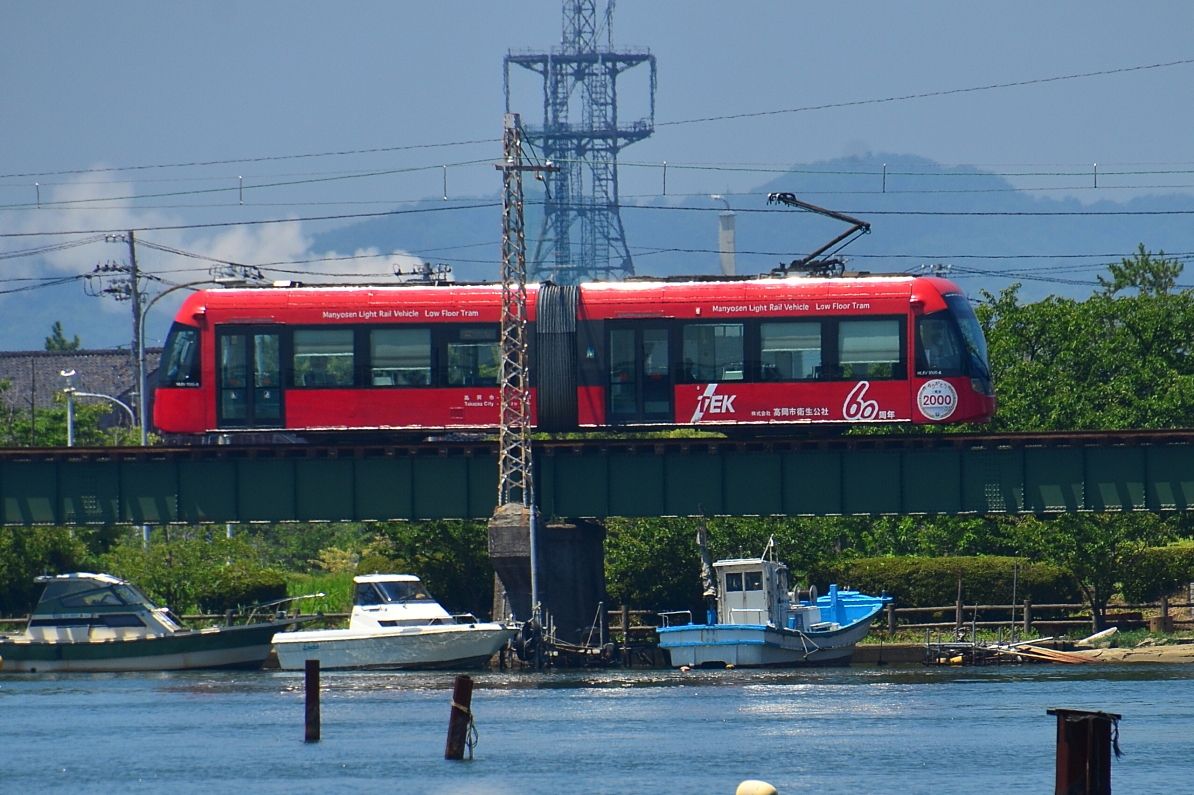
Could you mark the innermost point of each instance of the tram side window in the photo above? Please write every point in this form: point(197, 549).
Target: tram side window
point(869, 348)
point(400, 356)
point(180, 360)
point(712, 352)
point(323, 357)
point(790, 351)
point(473, 356)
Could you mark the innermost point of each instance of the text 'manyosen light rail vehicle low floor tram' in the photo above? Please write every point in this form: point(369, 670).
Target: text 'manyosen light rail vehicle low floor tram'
point(745, 355)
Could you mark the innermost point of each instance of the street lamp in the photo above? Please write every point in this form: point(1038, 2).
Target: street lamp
point(725, 235)
point(71, 393)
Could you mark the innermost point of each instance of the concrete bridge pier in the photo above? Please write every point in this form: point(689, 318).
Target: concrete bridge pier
point(571, 579)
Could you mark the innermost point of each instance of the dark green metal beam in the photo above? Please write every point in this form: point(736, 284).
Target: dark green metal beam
point(849, 476)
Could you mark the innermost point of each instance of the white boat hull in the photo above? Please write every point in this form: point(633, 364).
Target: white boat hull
point(758, 646)
point(434, 646)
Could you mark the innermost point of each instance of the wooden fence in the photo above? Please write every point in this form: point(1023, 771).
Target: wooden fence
point(637, 626)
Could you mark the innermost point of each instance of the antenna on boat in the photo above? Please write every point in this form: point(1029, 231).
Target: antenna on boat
point(769, 552)
point(708, 581)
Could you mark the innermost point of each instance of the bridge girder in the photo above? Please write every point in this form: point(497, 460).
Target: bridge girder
point(849, 476)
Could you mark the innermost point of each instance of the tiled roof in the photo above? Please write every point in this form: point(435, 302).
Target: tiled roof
point(35, 377)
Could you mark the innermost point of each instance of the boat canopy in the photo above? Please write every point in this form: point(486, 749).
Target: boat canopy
point(389, 589)
point(753, 591)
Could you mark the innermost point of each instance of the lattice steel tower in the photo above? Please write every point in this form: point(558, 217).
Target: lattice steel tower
point(582, 236)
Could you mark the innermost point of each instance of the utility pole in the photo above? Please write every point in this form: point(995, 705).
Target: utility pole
point(128, 289)
point(512, 530)
point(514, 449)
point(138, 347)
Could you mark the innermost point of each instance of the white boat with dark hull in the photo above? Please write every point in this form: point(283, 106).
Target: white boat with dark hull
point(96, 623)
point(757, 622)
point(395, 624)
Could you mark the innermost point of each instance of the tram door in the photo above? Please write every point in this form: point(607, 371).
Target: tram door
point(640, 383)
point(249, 379)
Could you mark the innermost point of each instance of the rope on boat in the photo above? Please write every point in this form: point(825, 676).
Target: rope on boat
point(471, 738)
point(805, 641)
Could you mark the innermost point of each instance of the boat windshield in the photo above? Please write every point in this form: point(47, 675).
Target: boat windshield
point(378, 593)
point(85, 593)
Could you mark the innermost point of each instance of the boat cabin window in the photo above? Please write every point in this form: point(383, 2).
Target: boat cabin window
point(122, 620)
point(105, 596)
point(737, 581)
point(366, 594)
point(380, 593)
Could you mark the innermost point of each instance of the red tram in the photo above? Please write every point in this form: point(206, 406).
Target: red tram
point(745, 355)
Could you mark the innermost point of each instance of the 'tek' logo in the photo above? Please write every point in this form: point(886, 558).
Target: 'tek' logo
point(711, 403)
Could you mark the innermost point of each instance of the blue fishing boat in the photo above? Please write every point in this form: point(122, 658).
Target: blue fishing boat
point(755, 621)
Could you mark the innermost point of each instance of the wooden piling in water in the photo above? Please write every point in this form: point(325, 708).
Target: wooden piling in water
point(1084, 745)
point(626, 653)
point(460, 717)
point(311, 683)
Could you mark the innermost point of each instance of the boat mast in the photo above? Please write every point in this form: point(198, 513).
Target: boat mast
point(708, 583)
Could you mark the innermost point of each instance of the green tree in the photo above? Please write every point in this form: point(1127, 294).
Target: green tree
point(1143, 272)
point(1103, 363)
point(57, 340)
point(183, 567)
point(1098, 551)
point(26, 552)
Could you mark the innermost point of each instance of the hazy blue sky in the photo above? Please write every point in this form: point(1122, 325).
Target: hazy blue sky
point(129, 84)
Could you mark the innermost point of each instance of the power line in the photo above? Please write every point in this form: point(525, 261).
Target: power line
point(260, 222)
point(678, 122)
point(231, 188)
point(51, 282)
point(937, 213)
point(31, 252)
point(927, 94)
point(263, 159)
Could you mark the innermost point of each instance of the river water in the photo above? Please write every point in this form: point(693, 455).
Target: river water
point(861, 729)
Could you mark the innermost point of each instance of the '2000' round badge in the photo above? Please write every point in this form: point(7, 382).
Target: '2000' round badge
point(937, 399)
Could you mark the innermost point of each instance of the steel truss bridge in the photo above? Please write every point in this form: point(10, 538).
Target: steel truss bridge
point(933, 474)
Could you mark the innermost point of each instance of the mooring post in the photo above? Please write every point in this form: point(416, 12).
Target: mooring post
point(459, 718)
point(891, 619)
point(626, 655)
point(1084, 744)
point(958, 607)
point(311, 684)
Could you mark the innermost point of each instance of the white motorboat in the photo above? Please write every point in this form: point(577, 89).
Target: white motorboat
point(757, 622)
point(96, 622)
point(395, 623)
